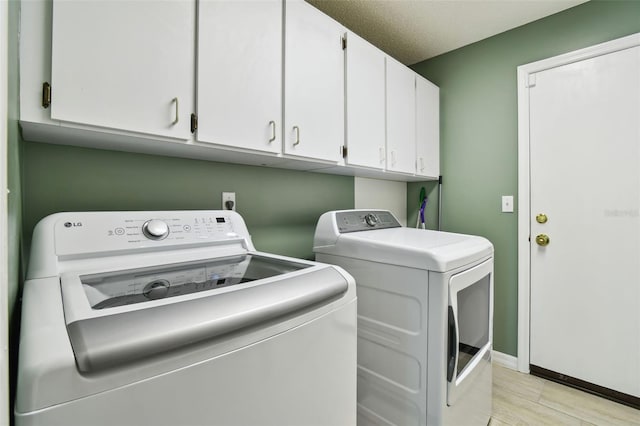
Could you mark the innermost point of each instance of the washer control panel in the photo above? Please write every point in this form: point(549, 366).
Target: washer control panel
point(92, 232)
point(365, 220)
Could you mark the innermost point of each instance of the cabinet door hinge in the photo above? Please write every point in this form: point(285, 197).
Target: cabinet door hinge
point(343, 151)
point(344, 41)
point(46, 95)
point(194, 123)
point(531, 81)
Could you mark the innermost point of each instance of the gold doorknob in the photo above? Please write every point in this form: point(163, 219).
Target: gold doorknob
point(542, 240)
point(541, 218)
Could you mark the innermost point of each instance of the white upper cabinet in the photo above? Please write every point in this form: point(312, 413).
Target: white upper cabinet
point(401, 118)
point(126, 65)
point(314, 83)
point(365, 100)
point(269, 81)
point(240, 74)
point(427, 128)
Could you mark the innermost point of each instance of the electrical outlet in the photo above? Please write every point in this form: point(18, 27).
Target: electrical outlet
point(229, 201)
point(507, 204)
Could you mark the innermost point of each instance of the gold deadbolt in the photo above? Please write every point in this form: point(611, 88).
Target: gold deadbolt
point(542, 240)
point(541, 218)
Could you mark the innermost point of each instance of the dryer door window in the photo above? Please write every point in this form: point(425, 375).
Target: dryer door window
point(469, 327)
point(473, 321)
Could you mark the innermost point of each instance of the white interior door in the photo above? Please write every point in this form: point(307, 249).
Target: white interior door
point(585, 177)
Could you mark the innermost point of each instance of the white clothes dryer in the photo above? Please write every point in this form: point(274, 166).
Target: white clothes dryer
point(173, 318)
point(425, 318)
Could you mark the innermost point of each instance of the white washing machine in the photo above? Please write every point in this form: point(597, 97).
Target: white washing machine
point(173, 318)
point(425, 318)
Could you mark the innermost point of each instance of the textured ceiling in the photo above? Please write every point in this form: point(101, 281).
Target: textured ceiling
point(414, 30)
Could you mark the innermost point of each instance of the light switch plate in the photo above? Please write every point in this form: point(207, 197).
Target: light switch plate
point(507, 204)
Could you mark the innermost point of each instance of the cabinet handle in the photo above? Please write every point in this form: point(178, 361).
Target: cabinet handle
point(421, 164)
point(46, 95)
point(297, 130)
point(175, 101)
point(393, 158)
point(273, 131)
point(381, 151)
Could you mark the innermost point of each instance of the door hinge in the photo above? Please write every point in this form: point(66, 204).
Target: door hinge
point(343, 151)
point(344, 41)
point(531, 80)
point(194, 123)
point(46, 95)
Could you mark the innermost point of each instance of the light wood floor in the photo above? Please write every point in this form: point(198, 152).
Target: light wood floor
point(522, 399)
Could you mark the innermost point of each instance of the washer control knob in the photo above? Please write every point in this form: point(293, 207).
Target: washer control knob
point(155, 229)
point(157, 289)
point(371, 219)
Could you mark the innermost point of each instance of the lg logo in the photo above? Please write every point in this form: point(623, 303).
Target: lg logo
point(72, 224)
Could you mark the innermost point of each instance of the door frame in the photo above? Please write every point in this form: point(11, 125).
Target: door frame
point(4, 217)
point(526, 79)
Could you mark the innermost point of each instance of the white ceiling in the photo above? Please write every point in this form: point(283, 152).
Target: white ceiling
point(414, 30)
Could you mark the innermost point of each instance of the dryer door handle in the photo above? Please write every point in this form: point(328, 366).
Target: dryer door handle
point(452, 350)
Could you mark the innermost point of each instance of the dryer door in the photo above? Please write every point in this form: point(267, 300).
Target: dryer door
point(470, 328)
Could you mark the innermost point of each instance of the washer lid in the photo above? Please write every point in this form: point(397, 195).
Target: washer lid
point(128, 287)
point(125, 316)
point(415, 248)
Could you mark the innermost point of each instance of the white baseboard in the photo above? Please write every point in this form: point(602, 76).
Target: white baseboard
point(505, 360)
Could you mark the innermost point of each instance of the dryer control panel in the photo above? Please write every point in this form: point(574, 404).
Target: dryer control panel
point(365, 220)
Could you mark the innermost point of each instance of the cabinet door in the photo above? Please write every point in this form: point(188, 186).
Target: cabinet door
point(125, 65)
point(240, 73)
point(314, 83)
point(401, 118)
point(427, 128)
point(365, 101)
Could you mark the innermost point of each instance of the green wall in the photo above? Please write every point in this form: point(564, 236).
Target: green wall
point(478, 127)
point(281, 207)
